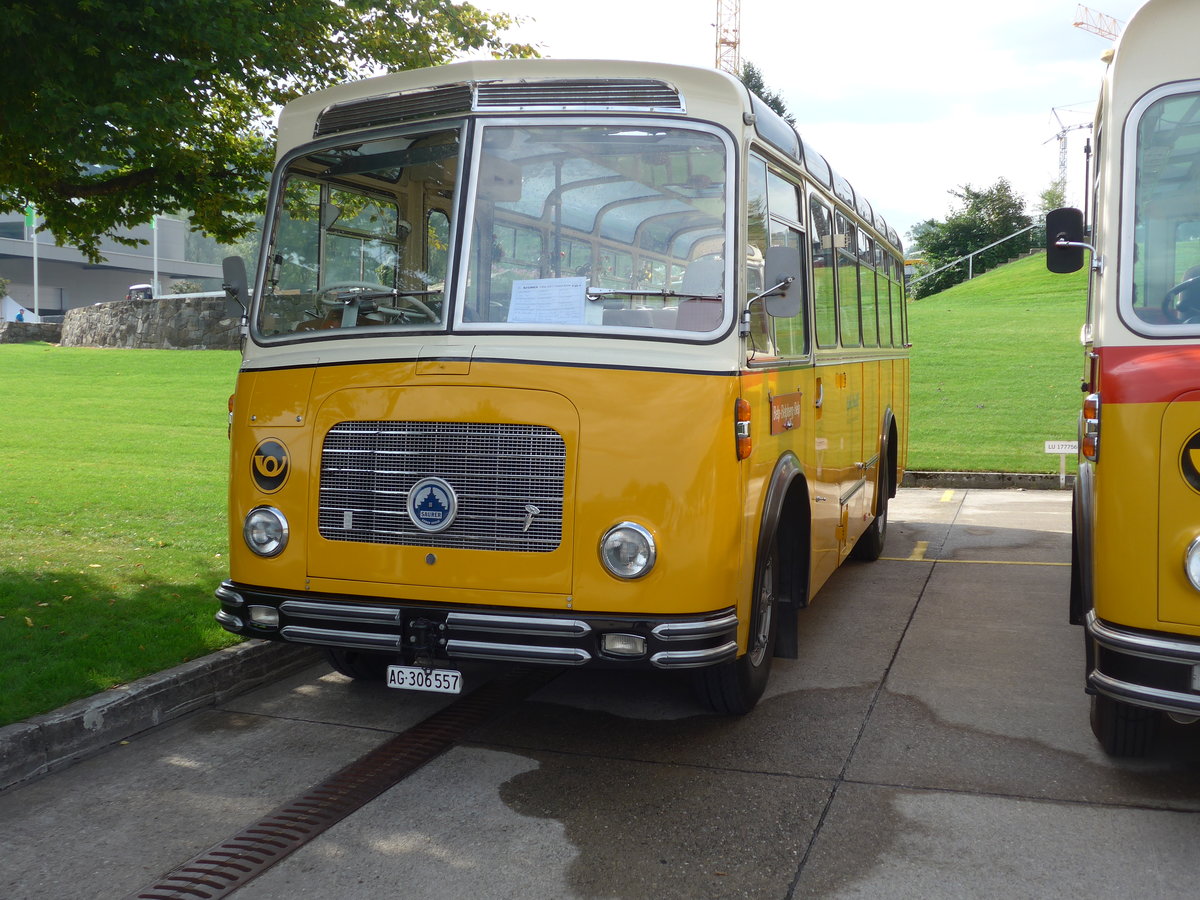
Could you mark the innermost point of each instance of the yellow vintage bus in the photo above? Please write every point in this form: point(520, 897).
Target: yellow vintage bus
point(558, 362)
point(1136, 539)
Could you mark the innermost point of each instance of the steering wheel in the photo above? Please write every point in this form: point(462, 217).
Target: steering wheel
point(372, 286)
point(1169, 307)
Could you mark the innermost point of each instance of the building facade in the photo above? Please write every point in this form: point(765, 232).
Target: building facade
point(66, 280)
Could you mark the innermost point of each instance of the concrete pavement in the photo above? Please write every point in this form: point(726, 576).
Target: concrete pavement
point(930, 741)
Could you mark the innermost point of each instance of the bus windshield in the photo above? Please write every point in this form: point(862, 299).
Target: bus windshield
point(360, 237)
point(598, 226)
point(615, 228)
point(1166, 233)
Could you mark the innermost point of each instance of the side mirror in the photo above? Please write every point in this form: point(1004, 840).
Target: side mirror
point(782, 272)
point(233, 269)
point(1064, 240)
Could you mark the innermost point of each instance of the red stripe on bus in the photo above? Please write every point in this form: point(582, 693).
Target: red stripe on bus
point(1148, 374)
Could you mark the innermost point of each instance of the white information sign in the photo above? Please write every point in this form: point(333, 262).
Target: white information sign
point(1063, 449)
point(1062, 446)
point(548, 301)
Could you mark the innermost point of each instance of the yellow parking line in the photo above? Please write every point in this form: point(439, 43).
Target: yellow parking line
point(999, 562)
point(947, 496)
point(918, 555)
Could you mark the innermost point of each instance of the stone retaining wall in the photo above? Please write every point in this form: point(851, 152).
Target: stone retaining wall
point(186, 323)
point(29, 332)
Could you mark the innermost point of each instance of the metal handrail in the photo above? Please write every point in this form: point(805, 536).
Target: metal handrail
point(970, 257)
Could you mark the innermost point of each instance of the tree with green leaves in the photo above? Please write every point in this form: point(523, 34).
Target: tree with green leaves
point(114, 110)
point(982, 218)
point(753, 80)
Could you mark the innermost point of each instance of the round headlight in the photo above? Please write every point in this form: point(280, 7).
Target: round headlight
point(265, 531)
point(627, 550)
point(1191, 563)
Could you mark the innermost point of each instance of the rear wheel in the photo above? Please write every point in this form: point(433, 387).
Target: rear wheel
point(870, 545)
point(733, 688)
point(361, 665)
point(1122, 728)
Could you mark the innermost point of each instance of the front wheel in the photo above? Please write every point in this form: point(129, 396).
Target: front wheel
point(1122, 728)
point(733, 688)
point(361, 665)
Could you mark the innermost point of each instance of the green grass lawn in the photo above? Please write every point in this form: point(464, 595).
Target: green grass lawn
point(113, 474)
point(112, 482)
point(996, 367)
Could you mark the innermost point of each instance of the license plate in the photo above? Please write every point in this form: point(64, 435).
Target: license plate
point(414, 678)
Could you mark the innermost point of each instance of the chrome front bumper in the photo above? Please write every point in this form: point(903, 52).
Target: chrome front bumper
point(1154, 670)
point(405, 630)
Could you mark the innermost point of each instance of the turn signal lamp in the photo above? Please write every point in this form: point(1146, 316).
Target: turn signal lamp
point(623, 644)
point(1089, 444)
point(264, 616)
point(741, 428)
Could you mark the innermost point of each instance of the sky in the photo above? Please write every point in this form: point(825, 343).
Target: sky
point(907, 100)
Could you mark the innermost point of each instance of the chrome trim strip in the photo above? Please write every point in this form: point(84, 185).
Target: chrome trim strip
point(341, 612)
point(691, 659)
point(1145, 645)
point(1141, 695)
point(529, 625)
point(565, 656)
point(686, 631)
point(303, 635)
point(226, 594)
point(858, 486)
point(229, 622)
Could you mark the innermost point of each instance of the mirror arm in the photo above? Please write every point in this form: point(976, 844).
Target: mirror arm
point(1097, 262)
point(769, 291)
point(744, 328)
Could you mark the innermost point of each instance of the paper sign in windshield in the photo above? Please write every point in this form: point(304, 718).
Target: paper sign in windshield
point(548, 301)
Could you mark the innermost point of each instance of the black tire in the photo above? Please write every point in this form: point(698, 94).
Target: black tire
point(734, 688)
point(361, 665)
point(870, 544)
point(1122, 728)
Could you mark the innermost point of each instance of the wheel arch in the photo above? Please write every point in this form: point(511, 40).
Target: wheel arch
point(889, 452)
point(1083, 515)
point(787, 520)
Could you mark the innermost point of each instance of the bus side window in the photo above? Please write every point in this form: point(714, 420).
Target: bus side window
point(762, 337)
point(786, 230)
point(437, 244)
point(869, 297)
point(821, 260)
point(847, 280)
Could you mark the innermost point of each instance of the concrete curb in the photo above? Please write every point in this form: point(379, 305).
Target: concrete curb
point(988, 481)
point(57, 739)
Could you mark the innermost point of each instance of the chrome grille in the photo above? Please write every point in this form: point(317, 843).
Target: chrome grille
point(579, 93)
point(372, 111)
point(496, 470)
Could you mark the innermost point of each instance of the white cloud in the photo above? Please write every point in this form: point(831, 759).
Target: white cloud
point(906, 99)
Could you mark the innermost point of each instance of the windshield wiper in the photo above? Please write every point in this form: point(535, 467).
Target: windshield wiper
point(595, 294)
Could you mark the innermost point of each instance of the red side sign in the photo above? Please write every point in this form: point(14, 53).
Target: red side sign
point(785, 412)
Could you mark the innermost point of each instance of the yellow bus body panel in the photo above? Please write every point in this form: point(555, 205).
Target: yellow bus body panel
point(652, 447)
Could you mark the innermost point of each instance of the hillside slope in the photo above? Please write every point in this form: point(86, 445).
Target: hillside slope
point(995, 370)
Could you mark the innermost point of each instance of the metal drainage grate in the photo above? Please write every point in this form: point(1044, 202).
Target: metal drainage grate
point(232, 863)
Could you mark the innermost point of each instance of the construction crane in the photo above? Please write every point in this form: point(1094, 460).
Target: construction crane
point(729, 26)
point(1061, 137)
point(1098, 23)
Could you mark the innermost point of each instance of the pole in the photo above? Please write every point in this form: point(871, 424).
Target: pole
point(154, 232)
point(31, 223)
